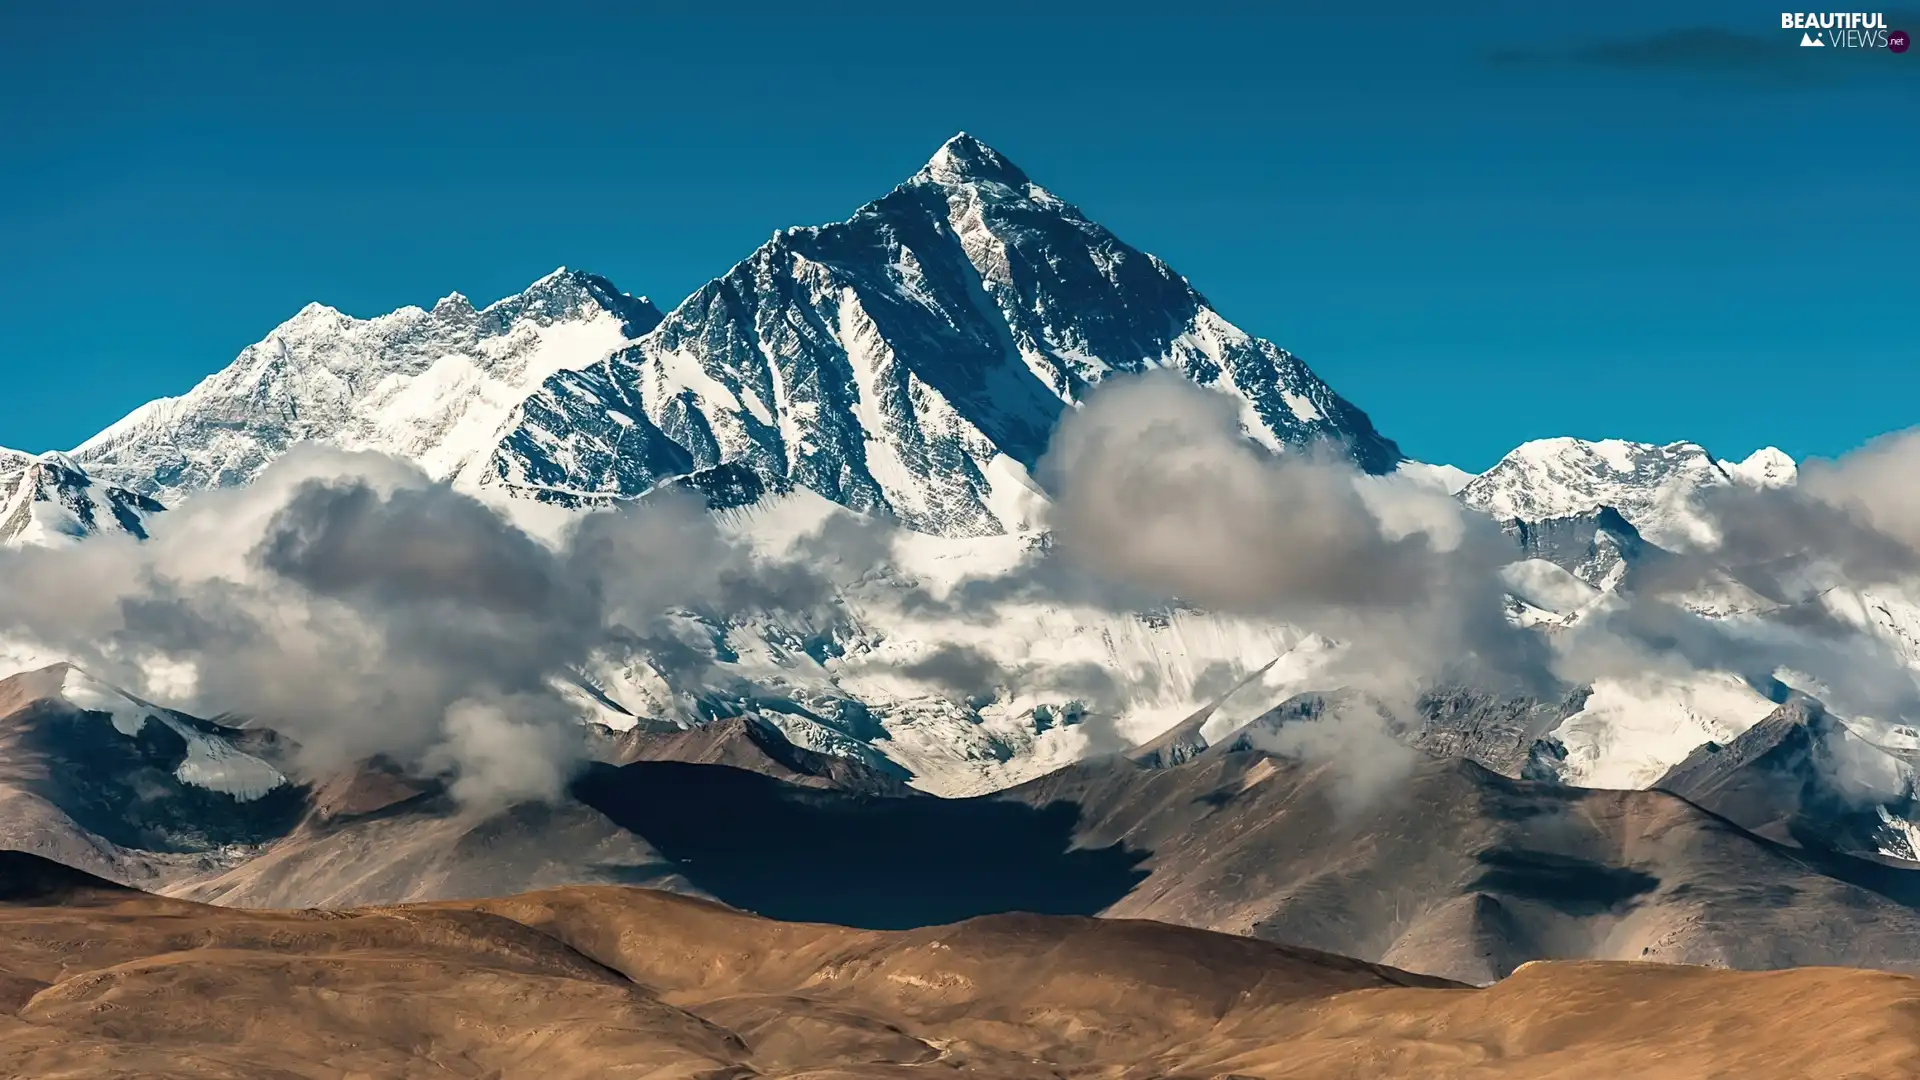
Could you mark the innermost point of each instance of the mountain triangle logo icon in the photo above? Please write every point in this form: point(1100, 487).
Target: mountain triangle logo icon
point(1808, 40)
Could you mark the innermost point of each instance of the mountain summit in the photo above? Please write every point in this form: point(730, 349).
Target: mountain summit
point(49, 500)
point(433, 386)
point(912, 359)
point(965, 159)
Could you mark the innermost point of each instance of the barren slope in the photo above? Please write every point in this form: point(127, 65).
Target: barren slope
point(96, 980)
point(1454, 870)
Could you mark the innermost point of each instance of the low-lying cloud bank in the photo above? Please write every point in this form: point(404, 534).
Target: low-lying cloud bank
point(1156, 489)
point(361, 609)
point(1157, 492)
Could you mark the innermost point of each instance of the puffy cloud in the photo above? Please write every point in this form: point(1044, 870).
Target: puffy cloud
point(361, 608)
point(1157, 491)
point(1158, 494)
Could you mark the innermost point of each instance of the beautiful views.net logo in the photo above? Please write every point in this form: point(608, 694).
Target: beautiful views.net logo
point(1845, 30)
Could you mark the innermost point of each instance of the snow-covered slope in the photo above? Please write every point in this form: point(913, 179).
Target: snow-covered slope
point(968, 695)
point(911, 359)
point(1654, 487)
point(1585, 517)
point(1632, 730)
point(208, 760)
point(50, 500)
point(433, 386)
point(1548, 587)
point(1884, 613)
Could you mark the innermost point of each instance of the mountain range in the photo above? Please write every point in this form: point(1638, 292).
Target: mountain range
point(435, 387)
point(1464, 874)
point(912, 359)
point(907, 366)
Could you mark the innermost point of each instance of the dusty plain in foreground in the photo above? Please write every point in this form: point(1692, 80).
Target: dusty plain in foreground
point(97, 980)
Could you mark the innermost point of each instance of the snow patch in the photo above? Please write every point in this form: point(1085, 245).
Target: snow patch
point(1302, 408)
point(87, 693)
point(1631, 731)
point(1447, 478)
point(211, 762)
point(1904, 836)
point(214, 764)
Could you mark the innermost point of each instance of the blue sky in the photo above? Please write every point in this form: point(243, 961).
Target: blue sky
point(1650, 221)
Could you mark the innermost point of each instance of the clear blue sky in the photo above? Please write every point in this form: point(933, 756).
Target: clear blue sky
point(1652, 221)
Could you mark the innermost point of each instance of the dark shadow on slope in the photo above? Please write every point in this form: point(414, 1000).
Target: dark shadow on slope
point(1776, 781)
point(1572, 885)
point(1216, 801)
point(125, 788)
point(858, 860)
point(1898, 883)
point(26, 878)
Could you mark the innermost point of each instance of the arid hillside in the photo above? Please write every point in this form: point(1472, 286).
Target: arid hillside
point(99, 980)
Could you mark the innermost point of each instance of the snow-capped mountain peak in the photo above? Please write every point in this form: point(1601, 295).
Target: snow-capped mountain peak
point(313, 312)
point(912, 359)
point(965, 159)
point(1764, 468)
point(50, 500)
point(434, 386)
point(564, 294)
point(1654, 487)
